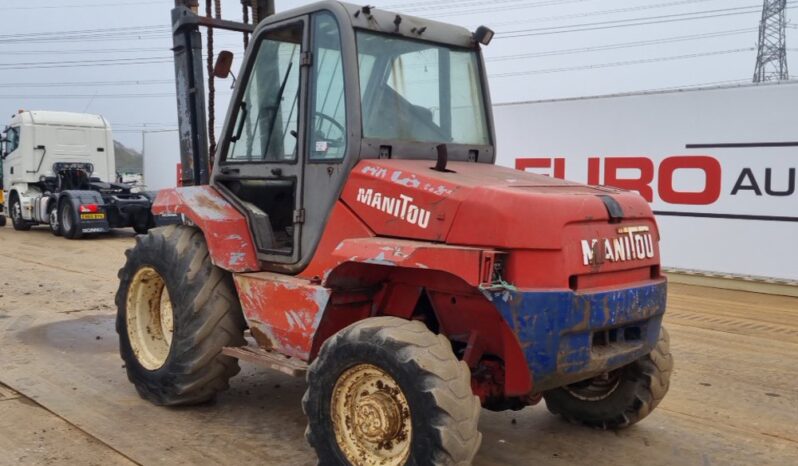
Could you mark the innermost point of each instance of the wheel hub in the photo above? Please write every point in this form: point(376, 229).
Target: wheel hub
point(597, 388)
point(150, 320)
point(378, 418)
point(16, 212)
point(371, 417)
point(54, 218)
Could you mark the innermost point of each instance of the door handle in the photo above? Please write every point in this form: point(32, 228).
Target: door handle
point(228, 171)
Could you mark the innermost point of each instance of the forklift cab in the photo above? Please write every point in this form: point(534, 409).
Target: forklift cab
point(327, 85)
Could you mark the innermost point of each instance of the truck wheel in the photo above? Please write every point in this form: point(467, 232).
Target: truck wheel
point(68, 221)
point(175, 313)
point(2, 220)
point(17, 221)
point(55, 224)
point(619, 398)
point(387, 391)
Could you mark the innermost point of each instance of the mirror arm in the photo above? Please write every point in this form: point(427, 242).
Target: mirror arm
point(233, 85)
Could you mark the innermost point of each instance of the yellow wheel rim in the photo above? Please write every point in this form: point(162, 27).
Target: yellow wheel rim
point(150, 321)
point(371, 417)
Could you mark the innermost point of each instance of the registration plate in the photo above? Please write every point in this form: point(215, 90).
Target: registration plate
point(92, 216)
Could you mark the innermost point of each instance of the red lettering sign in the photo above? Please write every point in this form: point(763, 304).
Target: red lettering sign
point(711, 169)
point(641, 184)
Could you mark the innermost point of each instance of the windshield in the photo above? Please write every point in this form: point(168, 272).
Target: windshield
point(418, 91)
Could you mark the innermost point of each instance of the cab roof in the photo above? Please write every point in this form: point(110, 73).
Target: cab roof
point(375, 19)
point(47, 117)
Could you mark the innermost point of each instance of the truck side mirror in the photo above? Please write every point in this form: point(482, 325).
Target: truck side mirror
point(224, 63)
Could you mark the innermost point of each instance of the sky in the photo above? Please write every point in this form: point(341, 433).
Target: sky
point(113, 57)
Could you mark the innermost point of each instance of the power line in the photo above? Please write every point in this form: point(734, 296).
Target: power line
point(142, 82)
point(81, 51)
point(619, 63)
point(621, 45)
point(603, 12)
point(626, 22)
point(52, 51)
point(87, 96)
point(119, 33)
point(86, 63)
point(89, 38)
point(426, 6)
point(95, 5)
point(666, 88)
point(92, 96)
point(705, 84)
point(500, 8)
point(56, 34)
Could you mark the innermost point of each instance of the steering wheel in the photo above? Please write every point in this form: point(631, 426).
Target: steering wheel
point(334, 142)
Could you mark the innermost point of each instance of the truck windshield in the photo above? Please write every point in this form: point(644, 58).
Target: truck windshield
point(419, 91)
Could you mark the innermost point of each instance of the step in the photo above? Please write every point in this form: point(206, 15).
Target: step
point(268, 359)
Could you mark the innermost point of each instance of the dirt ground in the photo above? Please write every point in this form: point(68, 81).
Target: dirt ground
point(65, 398)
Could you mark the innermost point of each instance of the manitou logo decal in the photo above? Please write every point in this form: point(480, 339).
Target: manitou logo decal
point(635, 243)
point(401, 207)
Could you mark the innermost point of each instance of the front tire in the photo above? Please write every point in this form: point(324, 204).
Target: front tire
point(388, 391)
point(2, 220)
point(619, 398)
point(17, 221)
point(176, 311)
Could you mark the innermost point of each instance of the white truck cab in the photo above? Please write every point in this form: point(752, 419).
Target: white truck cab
point(38, 139)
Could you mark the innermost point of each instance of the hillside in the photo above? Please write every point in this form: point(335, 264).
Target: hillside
point(127, 160)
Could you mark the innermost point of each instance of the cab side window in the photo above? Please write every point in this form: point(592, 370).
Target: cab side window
point(12, 140)
point(266, 126)
point(327, 130)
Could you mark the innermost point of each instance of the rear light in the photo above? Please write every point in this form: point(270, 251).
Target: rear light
point(89, 208)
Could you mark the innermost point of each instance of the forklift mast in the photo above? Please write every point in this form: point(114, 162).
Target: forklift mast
point(190, 79)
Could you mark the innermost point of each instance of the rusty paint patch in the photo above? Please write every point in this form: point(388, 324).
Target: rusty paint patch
point(286, 310)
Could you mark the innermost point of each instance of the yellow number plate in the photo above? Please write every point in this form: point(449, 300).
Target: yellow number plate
point(92, 216)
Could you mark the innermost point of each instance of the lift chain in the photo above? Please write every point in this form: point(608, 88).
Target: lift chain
point(211, 82)
point(245, 16)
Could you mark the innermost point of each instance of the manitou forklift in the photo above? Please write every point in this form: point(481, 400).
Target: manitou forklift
point(354, 230)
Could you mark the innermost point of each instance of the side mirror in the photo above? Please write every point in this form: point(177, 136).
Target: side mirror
point(224, 64)
point(483, 35)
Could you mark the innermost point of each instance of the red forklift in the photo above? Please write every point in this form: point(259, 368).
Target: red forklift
point(353, 229)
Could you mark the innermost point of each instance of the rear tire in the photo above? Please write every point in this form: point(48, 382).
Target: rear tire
point(68, 221)
point(188, 367)
point(406, 382)
point(2, 220)
point(17, 221)
point(622, 398)
point(141, 229)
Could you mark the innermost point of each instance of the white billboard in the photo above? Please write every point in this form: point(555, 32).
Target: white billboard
point(718, 166)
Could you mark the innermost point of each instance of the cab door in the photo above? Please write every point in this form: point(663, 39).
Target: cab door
point(331, 128)
point(261, 163)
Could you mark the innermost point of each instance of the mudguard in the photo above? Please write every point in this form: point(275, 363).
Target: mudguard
point(229, 240)
point(77, 197)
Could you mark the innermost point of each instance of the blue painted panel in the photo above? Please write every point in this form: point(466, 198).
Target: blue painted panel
point(555, 328)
